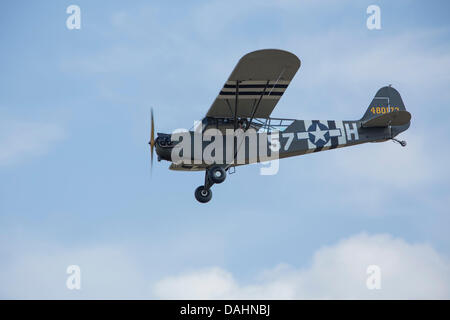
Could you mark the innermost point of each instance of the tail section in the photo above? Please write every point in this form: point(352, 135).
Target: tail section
point(386, 109)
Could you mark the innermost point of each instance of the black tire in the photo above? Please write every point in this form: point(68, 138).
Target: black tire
point(203, 195)
point(217, 174)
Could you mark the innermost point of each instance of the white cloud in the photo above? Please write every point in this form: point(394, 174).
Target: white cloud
point(211, 283)
point(20, 140)
point(408, 271)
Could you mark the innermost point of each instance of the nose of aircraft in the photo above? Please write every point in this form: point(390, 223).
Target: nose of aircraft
point(164, 147)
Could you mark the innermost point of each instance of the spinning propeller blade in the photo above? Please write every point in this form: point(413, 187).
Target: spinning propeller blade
point(152, 138)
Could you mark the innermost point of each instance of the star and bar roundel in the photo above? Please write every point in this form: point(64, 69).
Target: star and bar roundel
point(320, 134)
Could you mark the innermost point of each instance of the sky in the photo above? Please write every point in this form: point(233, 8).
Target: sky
point(75, 180)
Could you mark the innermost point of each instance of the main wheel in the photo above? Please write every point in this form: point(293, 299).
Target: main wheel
point(217, 174)
point(203, 195)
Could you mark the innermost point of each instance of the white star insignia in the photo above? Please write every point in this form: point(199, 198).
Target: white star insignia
point(318, 134)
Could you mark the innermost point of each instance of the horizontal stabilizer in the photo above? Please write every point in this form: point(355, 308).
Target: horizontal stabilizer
point(394, 118)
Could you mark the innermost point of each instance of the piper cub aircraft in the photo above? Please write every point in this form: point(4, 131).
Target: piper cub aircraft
point(238, 129)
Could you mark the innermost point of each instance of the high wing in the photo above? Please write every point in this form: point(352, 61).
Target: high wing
point(256, 84)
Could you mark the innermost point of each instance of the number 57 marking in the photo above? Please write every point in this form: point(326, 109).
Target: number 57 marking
point(290, 138)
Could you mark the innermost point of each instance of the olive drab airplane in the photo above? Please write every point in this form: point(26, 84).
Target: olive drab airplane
point(238, 129)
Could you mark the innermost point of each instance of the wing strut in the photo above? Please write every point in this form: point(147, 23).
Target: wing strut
point(236, 105)
point(260, 98)
point(257, 105)
point(229, 106)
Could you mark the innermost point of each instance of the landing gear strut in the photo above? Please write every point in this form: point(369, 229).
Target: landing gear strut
point(213, 175)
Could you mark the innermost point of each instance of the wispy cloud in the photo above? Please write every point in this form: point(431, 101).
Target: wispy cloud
point(337, 271)
point(21, 140)
point(408, 271)
point(107, 272)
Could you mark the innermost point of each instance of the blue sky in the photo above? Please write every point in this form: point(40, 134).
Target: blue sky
point(74, 164)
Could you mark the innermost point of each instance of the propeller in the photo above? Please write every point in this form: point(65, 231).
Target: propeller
point(152, 138)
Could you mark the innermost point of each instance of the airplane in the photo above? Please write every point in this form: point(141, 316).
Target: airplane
point(241, 112)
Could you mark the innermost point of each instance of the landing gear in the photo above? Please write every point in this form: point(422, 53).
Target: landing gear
point(213, 175)
point(401, 142)
point(202, 194)
point(217, 174)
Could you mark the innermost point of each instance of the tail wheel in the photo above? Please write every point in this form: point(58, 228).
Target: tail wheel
point(217, 174)
point(202, 194)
